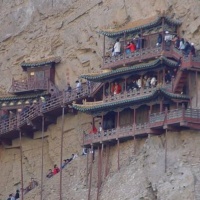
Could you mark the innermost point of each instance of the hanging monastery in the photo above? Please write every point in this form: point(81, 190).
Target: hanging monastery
point(36, 102)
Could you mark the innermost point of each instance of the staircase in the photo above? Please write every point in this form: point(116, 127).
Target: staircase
point(179, 81)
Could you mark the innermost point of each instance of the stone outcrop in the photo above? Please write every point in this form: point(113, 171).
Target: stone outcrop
point(36, 29)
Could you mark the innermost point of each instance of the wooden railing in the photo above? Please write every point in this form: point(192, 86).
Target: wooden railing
point(128, 95)
point(148, 53)
point(156, 120)
point(25, 85)
point(37, 109)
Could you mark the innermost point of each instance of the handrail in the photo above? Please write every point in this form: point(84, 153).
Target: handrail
point(37, 109)
point(172, 116)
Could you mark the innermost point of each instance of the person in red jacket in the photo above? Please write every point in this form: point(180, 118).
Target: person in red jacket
point(55, 170)
point(131, 46)
point(93, 130)
point(117, 88)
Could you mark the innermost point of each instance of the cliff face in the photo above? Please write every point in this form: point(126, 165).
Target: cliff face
point(36, 29)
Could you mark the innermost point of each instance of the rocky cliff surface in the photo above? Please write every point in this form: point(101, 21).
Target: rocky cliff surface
point(36, 29)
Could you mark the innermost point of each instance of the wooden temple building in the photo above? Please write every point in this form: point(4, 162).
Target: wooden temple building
point(150, 109)
point(120, 110)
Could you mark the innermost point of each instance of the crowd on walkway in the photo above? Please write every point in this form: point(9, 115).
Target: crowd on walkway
point(168, 39)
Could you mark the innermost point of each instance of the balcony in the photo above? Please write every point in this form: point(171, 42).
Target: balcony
point(184, 118)
point(149, 53)
point(28, 85)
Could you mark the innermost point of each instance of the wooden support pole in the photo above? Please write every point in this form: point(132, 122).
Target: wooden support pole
point(91, 165)
point(107, 160)
point(61, 148)
point(165, 150)
point(134, 126)
point(22, 177)
point(42, 167)
point(101, 164)
point(99, 170)
point(87, 171)
point(118, 155)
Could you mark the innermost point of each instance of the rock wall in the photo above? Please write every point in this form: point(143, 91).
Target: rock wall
point(36, 29)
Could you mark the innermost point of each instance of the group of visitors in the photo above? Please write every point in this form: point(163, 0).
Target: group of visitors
point(56, 169)
point(145, 82)
point(14, 196)
point(134, 44)
point(179, 43)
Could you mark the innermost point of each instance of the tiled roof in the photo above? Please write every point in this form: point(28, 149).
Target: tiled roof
point(127, 70)
point(128, 102)
point(32, 96)
point(136, 26)
point(42, 62)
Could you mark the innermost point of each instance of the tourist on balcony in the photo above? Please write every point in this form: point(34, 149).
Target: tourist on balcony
point(153, 81)
point(116, 88)
point(117, 48)
point(55, 170)
point(130, 48)
point(187, 48)
point(182, 45)
point(93, 129)
point(159, 40)
point(50, 174)
point(139, 42)
point(168, 39)
point(134, 85)
point(193, 50)
point(146, 81)
point(168, 77)
point(78, 87)
point(139, 83)
point(176, 41)
point(43, 102)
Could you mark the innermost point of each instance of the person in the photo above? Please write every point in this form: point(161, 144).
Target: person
point(176, 41)
point(117, 88)
point(187, 48)
point(65, 162)
point(43, 102)
point(168, 77)
point(159, 40)
point(182, 45)
point(139, 83)
point(12, 197)
point(134, 85)
point(131, 47)
point(17, 195)
point(168, 39)
point(128, 51)
point(100, 127)
point(193, 50)
point(153, 81)
point(93, 130)
point(69, 88)
point(117, 48)
point(33, 183)
point(73, 156)
point(55, 170)
point(9, 198)
point(78, 87)
point(139, 42)
point(84, 151)
point(50, 174)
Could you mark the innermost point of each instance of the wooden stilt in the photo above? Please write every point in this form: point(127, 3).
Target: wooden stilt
point(165, 150)
point(101, 164)
point(98, 167)
point(118, 155)
point(87, 170)
point(61, 149)
point(22, 177)
point(107, 160)
point(42, 168)
point(91, 165)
